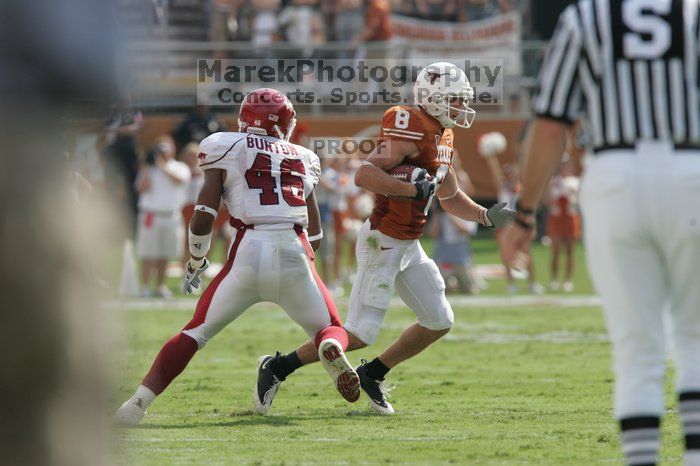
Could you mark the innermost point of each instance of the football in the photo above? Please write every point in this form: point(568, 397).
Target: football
point(405, 172)
point(408, 173)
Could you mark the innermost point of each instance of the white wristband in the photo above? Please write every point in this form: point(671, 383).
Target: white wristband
point(199, 244)
point(206, 209)
point(315, 237)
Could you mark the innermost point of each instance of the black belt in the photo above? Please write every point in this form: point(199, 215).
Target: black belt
point(677, 147)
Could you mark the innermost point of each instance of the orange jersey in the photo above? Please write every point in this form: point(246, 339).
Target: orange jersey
point(405, 218)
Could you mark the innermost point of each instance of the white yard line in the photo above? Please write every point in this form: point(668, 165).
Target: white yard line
point(188, 304)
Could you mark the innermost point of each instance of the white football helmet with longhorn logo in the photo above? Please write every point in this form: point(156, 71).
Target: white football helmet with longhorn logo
point(443, 90)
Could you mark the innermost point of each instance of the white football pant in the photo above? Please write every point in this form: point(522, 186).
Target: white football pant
point(641, 212)
point(265, 265)
point(383, 263)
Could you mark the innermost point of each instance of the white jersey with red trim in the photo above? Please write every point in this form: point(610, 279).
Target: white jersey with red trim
point(267, 179)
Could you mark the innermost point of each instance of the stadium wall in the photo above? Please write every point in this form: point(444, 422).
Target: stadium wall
point(344, 125)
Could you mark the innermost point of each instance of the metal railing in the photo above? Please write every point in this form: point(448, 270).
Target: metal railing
point(164, 73)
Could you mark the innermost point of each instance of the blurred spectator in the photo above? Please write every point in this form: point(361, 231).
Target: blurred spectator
point(348, 20)
point(508, 193)
point(453, 251)
point(507, 181)
point(322, 199)
point(300, 135)
point(437, 10)
point(563, 223)
point(338, 182)
point(296, 19)
point(122, 152)
point(482, 9)
point(329, 17)
point(86, 154)
point(378, 29)
point(189, 157)
point(265, 24)
point(223, 21)
point(197, 125)
point(162, 183)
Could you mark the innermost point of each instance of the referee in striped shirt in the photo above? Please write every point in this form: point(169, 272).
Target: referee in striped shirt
point(629, 68)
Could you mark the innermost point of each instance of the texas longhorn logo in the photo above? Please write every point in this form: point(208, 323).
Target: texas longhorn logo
point(435, 76)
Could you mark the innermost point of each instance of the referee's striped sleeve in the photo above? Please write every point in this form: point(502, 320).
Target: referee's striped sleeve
point(559, 91)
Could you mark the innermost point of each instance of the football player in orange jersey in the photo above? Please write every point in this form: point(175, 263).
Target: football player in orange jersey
point(389, 254)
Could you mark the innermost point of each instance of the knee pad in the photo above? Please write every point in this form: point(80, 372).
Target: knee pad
point(366, 331)
point(198, 334)
point(442, 320)
point(444, 323)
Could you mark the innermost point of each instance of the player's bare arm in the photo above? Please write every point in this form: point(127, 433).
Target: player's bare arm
point(548, 138)
point(455, 201)
point(458, 203)
point(200, 229)
point(372, 174)
point(314, 229)
point(210, 197)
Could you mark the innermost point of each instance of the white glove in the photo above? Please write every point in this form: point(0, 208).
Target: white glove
point(193, 276)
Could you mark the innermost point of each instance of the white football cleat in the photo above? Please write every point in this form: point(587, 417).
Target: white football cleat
point(346, 380)
point(131, 412)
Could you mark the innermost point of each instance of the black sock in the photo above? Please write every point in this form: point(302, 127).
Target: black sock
point(640, 440)
point(376, 369)
point(689, 412)
point(285, 365)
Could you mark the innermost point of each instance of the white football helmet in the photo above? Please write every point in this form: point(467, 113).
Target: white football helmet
point(443, 90)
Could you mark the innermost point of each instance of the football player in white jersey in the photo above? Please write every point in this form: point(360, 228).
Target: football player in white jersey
point(267, 185)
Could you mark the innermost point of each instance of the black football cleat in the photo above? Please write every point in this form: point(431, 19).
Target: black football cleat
point(375, 391)
point(267, 385)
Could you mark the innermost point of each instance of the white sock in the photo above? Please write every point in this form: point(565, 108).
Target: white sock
point(145, 395)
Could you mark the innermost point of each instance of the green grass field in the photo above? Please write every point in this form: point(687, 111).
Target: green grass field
point(506, 386)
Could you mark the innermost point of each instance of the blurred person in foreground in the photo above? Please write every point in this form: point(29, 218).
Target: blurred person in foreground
point(162, 184)
point(632, 69)
point(56, 55)
point(563, 222)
